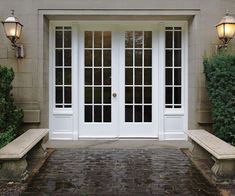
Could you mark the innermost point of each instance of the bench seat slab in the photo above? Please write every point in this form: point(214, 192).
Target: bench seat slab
point(215, 146)
point(23, 144)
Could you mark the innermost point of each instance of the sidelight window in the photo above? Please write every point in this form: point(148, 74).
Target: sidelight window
point(173, 67)
point(63, 67)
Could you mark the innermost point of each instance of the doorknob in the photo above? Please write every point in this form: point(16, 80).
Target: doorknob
point(114, 94)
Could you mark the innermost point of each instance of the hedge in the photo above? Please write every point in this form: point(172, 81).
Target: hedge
point(10, 116)
point(220, 81)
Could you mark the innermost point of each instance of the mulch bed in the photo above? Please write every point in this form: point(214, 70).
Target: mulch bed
point(16, 188)
point(225, 188)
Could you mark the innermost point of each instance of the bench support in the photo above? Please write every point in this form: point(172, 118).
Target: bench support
point(14, 170)
point(198, 152)
point(224, 168)
point(37, 152)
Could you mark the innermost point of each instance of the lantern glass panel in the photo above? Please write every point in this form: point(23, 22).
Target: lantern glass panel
point(10, 29)
point(229, 30)
point(18, 30)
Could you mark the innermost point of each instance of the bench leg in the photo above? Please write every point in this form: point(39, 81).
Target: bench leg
point(198, 152)
point(37, 151)
point(15, 170)
point(224, 168)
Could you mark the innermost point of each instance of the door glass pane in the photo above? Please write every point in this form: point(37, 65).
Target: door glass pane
point(88, 76)
point(177, 97)
point(168, 42)
point(148, 76)
point(97, 95)
point(168, 95)
point(147, 57)
point(138, 39)
point(177, 77)
point(59, 39)
point(67, 95)
point(88, 39)
point(129, 39)
point(177, 58)
point(107, 76)
point(147, 113)
point(107, 95)
point(67, 57)
point(97, 76)
point(107, 58)
point(129, 57)
point(177, 39)
point(88, 57)
point(97, 113)
point(97, 58)
point(129, 94)
point(148, 39)
point(67, 76)
point(168, 58)
point(129, 76)
point(59, 76)
point(138, 94)
point(59, 58)
point(147, 95)
point(107, 39)
point(67, 39)
point(107, 113)
point(88, 94)
point(138, 76)
point(88, 113)
point(168, 76)
point(98, 39)
point(59, 95)
point(138, 113)
point(138, 57)
point(128, 113)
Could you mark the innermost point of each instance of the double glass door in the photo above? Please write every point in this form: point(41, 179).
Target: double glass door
point(118, 69)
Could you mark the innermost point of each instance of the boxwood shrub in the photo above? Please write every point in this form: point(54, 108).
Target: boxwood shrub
point(220, 81)
point(10, 116)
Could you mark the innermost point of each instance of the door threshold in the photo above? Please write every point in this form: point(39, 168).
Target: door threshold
point(118, 138)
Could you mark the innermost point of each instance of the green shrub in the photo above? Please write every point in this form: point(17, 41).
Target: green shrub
point(6, 137)
point(220, 80)
point(10, 116)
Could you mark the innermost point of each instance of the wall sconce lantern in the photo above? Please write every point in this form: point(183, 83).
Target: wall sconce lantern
point(226, 30)
point(13, 29)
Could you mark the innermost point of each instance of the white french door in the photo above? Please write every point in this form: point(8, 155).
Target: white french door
point(118, 80)
point(117, 91)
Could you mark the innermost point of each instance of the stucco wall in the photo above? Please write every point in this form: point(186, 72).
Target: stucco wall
point(31, 78)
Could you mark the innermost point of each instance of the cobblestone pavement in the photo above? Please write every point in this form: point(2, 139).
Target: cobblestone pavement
point(161, 171)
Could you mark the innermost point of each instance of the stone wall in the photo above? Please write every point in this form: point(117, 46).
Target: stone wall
point(31, 78)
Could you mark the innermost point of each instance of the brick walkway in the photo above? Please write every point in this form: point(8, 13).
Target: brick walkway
point(160, 171)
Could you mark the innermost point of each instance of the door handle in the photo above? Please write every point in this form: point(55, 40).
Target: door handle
point(114, 94)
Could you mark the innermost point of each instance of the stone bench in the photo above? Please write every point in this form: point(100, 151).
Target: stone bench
point(207, 146)
point(14, 157)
